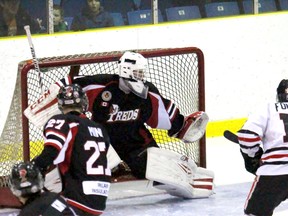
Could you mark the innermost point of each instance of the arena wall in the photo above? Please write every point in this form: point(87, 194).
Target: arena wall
point(245, 58)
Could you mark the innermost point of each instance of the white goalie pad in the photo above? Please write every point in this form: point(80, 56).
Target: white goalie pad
point(178, 174)
point(53, 181)
point(112, 157)
point(194, 127)
point(44, 108)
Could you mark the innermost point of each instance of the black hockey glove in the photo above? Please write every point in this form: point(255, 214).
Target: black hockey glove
point(252, 163)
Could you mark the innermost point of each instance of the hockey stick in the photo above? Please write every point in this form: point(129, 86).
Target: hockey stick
point(231, 136)
point(35, 60)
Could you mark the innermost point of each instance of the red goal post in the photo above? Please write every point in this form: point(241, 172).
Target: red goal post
point(177, 72)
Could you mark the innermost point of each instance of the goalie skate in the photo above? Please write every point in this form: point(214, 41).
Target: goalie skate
point(172, 190)
point(200, 188)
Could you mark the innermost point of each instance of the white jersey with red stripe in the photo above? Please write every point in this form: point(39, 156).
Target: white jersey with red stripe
point(271, 124)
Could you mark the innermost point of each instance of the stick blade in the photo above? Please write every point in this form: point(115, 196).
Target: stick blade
point(231, 136)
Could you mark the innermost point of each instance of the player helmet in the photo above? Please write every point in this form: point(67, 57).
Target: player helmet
point(132, 68)
point(25, 179)
point(72, 96)
point(282, 91)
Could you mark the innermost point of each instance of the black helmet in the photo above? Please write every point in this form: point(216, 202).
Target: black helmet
point(282, 94)
point(72, 96)
point(25, 179)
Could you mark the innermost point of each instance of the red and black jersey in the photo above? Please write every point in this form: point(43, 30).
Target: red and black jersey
point(126, 115)
point(79, 147)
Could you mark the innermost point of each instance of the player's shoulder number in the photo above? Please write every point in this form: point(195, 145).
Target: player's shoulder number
point(55, 123)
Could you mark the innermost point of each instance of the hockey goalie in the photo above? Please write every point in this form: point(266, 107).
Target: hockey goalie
point(125, 103)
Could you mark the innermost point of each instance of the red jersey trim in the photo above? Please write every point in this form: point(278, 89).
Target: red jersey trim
point(83, 207)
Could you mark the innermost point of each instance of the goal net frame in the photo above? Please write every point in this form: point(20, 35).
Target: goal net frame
point(21, 98)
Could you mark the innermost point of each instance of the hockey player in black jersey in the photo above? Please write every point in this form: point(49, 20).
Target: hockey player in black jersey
point(26, 182)
point(125, 103)
point(78, 146)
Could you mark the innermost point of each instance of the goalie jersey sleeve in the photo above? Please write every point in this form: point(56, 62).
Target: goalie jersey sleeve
point(176, 119)
point(268, 127)
point(81, 147)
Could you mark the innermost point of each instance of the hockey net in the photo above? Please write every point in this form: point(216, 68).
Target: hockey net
point(178, 73)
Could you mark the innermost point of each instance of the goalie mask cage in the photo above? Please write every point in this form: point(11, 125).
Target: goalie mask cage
point(177, 72)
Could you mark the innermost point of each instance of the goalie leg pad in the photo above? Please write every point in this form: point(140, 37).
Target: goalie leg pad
point(53, 181)
point(112, 157)
point(175, 173)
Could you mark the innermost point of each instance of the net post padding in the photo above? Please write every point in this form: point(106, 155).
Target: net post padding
point(177, 72)
point(7, 199)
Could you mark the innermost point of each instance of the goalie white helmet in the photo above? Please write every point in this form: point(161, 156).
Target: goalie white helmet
point(132, 68)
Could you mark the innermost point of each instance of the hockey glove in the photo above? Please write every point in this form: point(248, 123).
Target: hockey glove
point(194, 127)
point(252, 163)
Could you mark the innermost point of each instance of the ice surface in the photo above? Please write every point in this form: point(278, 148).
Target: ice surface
point(227, 201)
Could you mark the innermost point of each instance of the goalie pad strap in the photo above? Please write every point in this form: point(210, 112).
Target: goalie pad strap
point(203, 179)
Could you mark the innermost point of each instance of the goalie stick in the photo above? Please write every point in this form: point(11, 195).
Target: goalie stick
point(231, 136)
point(35, 60)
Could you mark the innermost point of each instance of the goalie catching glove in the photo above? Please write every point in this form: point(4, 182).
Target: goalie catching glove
point(194, 127)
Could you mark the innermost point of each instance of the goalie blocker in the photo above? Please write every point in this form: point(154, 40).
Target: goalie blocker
point(45, 107)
